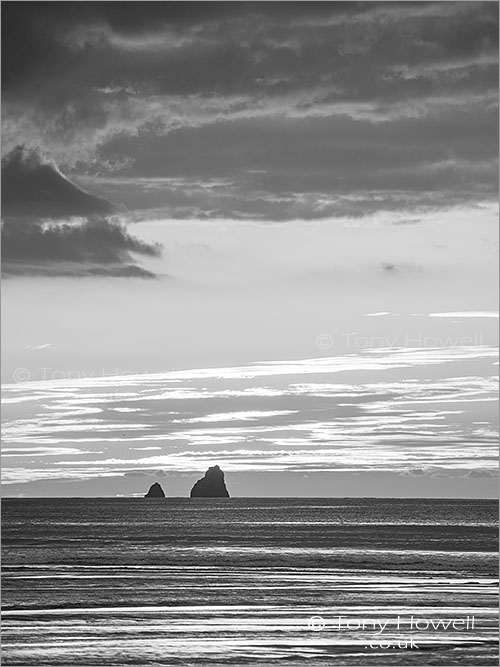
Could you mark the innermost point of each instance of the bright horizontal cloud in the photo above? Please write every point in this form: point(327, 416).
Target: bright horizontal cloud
point(471, 313)
point(315, 424)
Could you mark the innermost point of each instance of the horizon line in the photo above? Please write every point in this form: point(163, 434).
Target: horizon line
point(204, 499)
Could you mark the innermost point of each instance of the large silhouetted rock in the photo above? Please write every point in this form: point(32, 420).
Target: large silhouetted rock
point(210, 486)
point(155, 491)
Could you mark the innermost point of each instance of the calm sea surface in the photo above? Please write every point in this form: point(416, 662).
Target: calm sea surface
point(237, 581)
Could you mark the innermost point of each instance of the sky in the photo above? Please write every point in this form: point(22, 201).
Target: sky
point(262, 235)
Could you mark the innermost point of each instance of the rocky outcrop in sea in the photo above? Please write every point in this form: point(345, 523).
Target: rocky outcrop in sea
point(155, 491)
point(210, 486)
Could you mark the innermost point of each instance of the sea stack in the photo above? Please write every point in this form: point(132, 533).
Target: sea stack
point(155, 491)
point(211, 486)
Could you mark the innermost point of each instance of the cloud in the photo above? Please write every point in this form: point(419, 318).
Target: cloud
point(53, 227)
point(144, 473)
point(394, 102)
point(34, 189)
point(134, 68)
point(393, 268)
point(473, 474)
point(467, 314)
point(414, 472)
point(73, 270)
point(408, 221)
point(355, 421)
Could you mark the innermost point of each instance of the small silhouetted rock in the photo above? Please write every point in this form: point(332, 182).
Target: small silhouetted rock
point(155, 491)
point(210, 486)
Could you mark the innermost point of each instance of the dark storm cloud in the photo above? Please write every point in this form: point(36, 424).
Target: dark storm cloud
point(33, 189)
point(289, 168)
point(72, 270)
point(52, 227)
point(320, 98)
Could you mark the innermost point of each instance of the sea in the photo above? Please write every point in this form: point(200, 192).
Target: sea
point(249, 581)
